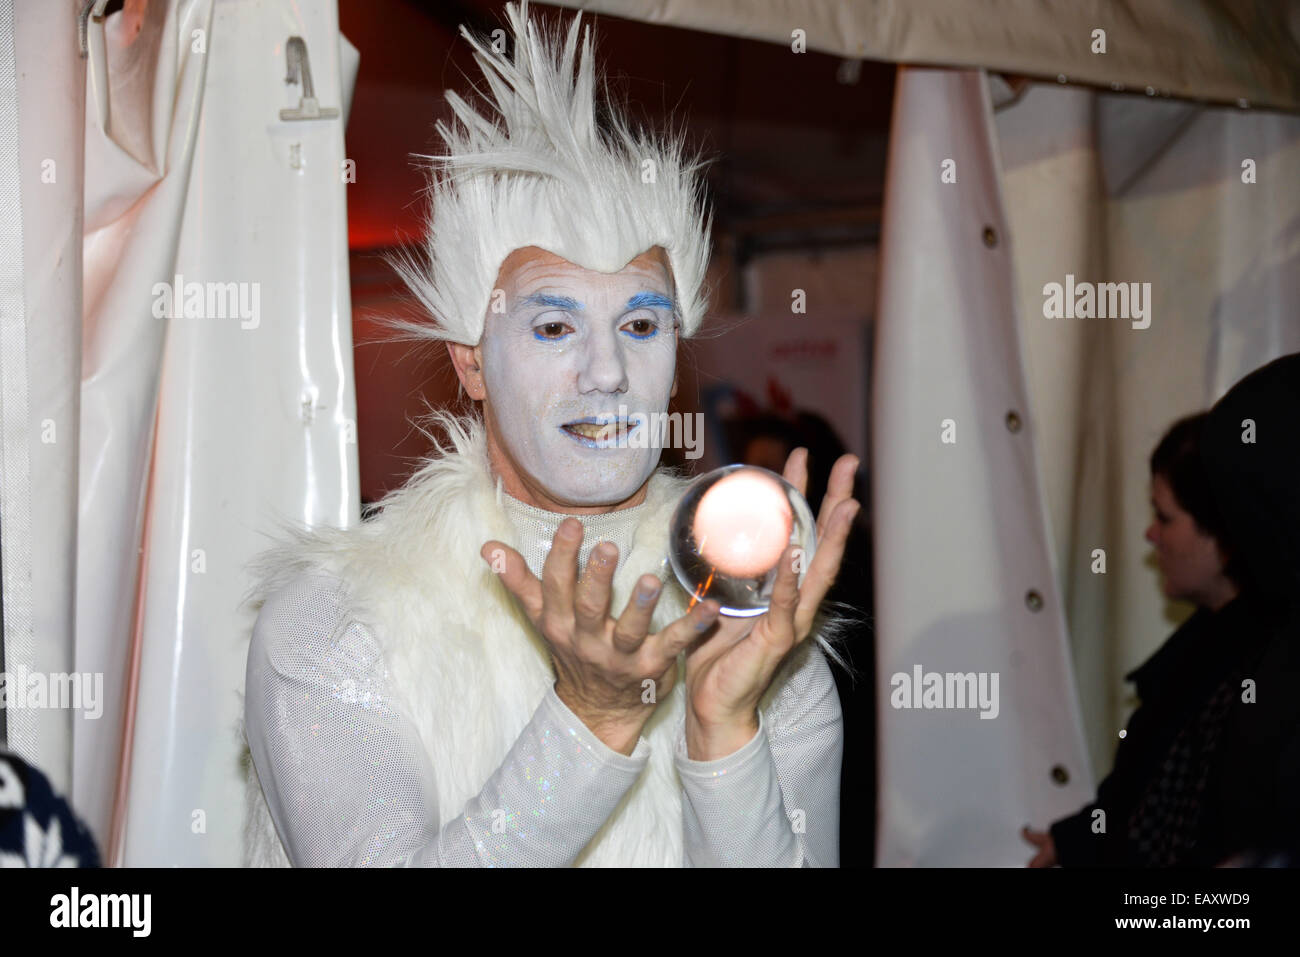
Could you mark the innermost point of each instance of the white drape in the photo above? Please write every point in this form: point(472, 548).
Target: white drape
point(144, 102)
point(964, 577)
point(1216, 50)
point(201, 426)
point(42, 297)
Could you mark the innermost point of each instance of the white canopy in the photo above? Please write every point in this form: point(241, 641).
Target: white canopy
point(1213, 50)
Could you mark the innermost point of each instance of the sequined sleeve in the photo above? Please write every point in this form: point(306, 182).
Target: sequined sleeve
point(774, 802)
point(349, 782)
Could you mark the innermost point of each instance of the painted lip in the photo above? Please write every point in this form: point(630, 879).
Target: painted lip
point(620, 434)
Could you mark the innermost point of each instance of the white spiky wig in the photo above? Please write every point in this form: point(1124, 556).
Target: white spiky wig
point(545, 173)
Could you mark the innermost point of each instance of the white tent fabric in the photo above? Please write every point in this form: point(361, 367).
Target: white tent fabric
point(1223, 51)
point(41, 102)
point(144, 99)
point(964, 577)
point(217, 394)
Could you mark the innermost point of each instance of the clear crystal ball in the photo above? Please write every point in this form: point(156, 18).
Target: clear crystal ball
point(728, 533)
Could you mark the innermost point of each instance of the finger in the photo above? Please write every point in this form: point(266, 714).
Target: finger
point(684, 632)
point(825, 567)
point(591, 597)
point(1033, 837)
point(513, 571)
point(796, 470)
point(779, 633)
point(560, 570)
point(839, 488)
point(633, 626)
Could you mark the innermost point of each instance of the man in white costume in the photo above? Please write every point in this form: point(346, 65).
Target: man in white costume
point(439, 686)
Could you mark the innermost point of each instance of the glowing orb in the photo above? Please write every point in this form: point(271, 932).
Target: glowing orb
point(728, 532)
point(743, 524)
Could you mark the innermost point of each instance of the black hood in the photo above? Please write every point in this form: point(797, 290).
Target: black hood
point(1256, 485)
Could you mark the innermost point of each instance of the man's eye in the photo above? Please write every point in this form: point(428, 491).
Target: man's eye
point(643, 328)
point(550, 330)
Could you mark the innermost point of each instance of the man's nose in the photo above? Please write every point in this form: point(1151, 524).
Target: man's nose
point(1151, 535)
point(604, 369)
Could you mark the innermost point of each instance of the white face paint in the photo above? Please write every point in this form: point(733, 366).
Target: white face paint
point(577, 346)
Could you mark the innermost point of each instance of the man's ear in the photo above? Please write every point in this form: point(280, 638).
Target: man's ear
point(468, 363)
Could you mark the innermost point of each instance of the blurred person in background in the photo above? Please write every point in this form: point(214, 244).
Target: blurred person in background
point(1208, 768)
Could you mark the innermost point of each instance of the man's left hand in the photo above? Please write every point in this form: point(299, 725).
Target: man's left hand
point(731, 667)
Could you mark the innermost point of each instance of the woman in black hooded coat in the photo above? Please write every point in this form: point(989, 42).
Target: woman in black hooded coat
point(1208, 771)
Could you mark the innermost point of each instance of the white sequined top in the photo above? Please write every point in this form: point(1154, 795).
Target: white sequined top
point(773, 803)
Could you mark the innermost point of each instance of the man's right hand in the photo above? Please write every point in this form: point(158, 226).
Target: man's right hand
point(601, 663)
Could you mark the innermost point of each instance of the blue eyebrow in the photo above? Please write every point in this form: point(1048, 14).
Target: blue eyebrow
point(651, 300)
point(555, 302)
